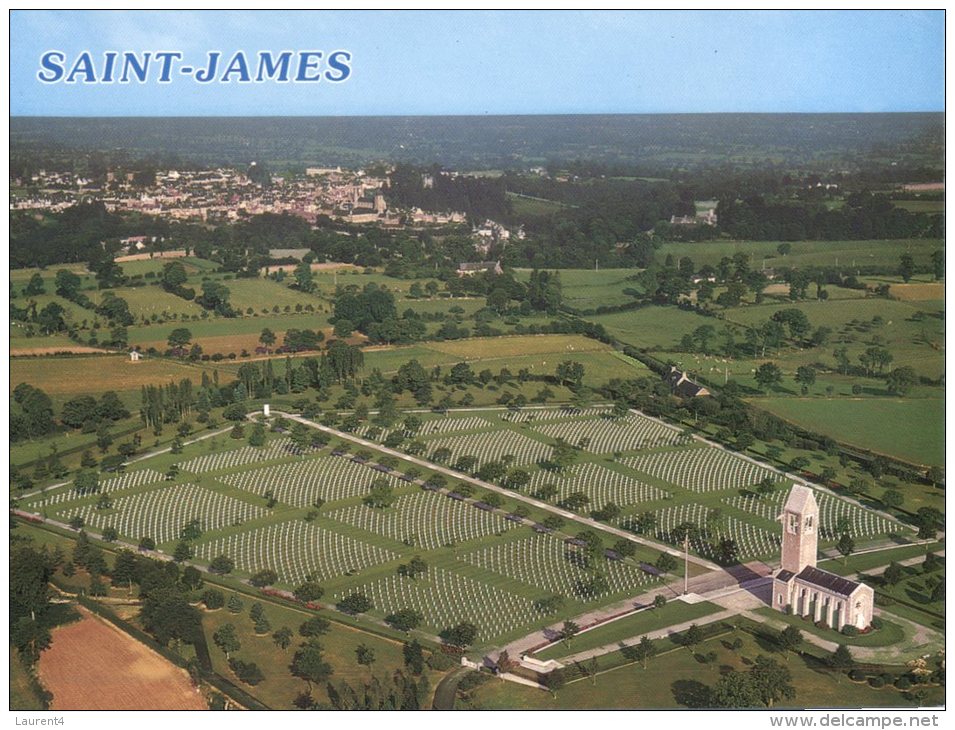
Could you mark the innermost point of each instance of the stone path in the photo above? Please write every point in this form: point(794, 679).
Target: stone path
point(919, 640)
point(658, 634)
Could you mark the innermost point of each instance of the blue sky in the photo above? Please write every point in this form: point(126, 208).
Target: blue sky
point(495, 62)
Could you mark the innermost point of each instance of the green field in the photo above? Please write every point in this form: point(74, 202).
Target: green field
point(921, 206)
point(64, 377)
point(147, 301)
point(867, 561)
point(588, 288)
point(913, 429)
point(807, 253)
point(539, 354)
point(227, 334)
point(192, 264)
point(653, 328)
point(259, 294)
point(524, 206)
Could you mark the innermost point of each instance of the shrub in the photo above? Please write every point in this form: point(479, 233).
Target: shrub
point(850, 630)
point(857, 675)
point(213, 599)
point(903, 683)
point(264, 578)
point(876, 682)
point(315, 626)
point(877, 623)
point(440, 662)
point(248, 672)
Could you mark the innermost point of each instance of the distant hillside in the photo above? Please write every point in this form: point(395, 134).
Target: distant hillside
point(652, 141)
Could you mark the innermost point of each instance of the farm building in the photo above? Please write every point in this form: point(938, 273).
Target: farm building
point(682, 386)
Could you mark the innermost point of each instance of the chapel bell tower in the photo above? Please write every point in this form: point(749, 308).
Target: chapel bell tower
point(800, 521)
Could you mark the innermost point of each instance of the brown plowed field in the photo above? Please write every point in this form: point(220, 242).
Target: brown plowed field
point(92, 665)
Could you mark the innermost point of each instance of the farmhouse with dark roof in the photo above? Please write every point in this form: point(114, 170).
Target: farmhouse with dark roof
point(682, 386)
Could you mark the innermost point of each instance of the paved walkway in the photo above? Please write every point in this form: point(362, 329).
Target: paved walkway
point(703, 586)
point(743, 600)
point(658, 634)
point(917, 560)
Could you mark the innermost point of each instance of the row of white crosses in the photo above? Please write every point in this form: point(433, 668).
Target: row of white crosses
point(294, 550)
point(275, 449)
point(425, 519)
point(429, 427)
point(606, 436)
point(552, 414)
point(493, 447)
point(450, 424)
point(127, 480)
point(701, 469)
point(602, 485)
point(864, 523)
point(300, 483)
point(446, 598)
point(548, 563)
point(162, 513)
point(751, 541)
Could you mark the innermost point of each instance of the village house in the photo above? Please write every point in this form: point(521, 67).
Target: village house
point(470, 269)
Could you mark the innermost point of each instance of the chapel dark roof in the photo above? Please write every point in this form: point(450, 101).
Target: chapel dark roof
point(829, 581)
point(785, 575)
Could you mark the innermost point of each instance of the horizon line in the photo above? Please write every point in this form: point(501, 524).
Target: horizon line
point(477, 115)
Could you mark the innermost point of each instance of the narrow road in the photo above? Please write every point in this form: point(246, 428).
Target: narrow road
point(447, 689)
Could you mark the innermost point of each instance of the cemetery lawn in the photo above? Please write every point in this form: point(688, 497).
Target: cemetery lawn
point(481, 567)
point(867, 561)
point(630, 629)
point(891, 633)
point(673, 679)
point(279, 689)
